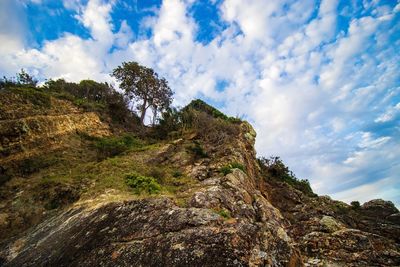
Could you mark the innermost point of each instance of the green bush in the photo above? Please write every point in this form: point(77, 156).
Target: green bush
point(94, 96)
point(112, 146)
point(211, 125)
point(177, 174)
point(228, 168)
point(274, 169)
point(355, 205)
point(142, 184)
point(202, 106)
point(198, 150)
point(168, 125)
point(34, 95)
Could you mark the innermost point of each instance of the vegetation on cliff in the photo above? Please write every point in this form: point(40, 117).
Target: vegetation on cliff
point(209, 125)
point(190, 184)
point(273, 168)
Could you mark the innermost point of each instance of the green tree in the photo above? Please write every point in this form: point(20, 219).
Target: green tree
point(161, 98)
point(144, 85)
point(24, 78)
point(93, 90)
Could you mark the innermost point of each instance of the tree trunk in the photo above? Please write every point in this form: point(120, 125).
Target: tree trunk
point(154, 116)
point(143, 111)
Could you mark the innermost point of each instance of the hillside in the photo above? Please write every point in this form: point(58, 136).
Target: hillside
point(80, 188)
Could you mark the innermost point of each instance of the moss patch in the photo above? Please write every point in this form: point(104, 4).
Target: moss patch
point(229, 168)
point(224, 213)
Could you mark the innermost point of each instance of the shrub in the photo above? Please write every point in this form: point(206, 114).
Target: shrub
point(142, 184)
point(198, 150)
point(234, 165)
point(34, 95)
point(355, 204)
point(94, 96)
point(202, 106)
point(23, 79)
point(210, 124)
point(209, 129)
point(274, 169)
point(170, 122)
point(177, 174)
point(112, 146)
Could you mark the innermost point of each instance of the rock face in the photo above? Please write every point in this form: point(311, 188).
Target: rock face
point(23, 135)
point(237, 218)
point(333, 233)
point(152, 232)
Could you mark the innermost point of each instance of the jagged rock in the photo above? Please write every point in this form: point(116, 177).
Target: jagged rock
point(379, 208)
point(350, 247)
point(330, 224)
point(150, 232)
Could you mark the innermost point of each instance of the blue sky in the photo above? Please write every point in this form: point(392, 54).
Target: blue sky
point(319, 80)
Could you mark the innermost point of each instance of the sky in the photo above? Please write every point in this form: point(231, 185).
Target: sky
point(318, 80)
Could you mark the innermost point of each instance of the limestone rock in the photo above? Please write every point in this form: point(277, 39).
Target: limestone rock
point(330, 225)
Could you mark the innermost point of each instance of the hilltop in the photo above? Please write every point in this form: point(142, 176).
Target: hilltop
point(83, 182)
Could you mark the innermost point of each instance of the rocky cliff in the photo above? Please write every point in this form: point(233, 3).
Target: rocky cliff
point(214, 207)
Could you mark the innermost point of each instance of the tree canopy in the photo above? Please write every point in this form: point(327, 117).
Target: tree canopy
point(23, 79)
point(143, 85)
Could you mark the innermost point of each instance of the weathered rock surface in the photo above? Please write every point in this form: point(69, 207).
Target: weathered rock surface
point(332, 233)
point(21, 138)
point(152, 232)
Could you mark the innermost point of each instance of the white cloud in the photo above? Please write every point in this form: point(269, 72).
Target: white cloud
point(387, 189)
point(368, 141)
point(70, 56)
point(389, 114)
point(96, 18)
point(12, 27)
point(73, 4)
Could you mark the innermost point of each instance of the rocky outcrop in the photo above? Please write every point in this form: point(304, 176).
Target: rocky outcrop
point(151, 232)
point(35, 132)
point(231, 218)
point(378, 208)
point(329, 232)
point(224, 221)
point(44, 130)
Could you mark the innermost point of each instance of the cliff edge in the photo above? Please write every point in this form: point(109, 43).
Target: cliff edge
point(76, 191)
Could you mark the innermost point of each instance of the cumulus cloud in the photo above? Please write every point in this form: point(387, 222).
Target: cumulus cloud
point(319, 83)
point(70, 56)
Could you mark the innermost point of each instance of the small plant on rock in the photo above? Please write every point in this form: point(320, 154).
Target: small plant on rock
point(223, 213)
point(228, 168)
point(198, 150)
point(142, 184)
